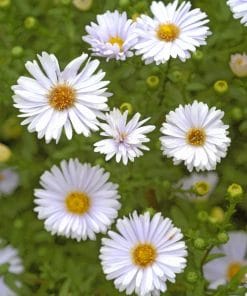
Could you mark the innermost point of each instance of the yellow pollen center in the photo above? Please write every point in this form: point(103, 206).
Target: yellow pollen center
point(201, 188)
point(168, 32)
point(144, 255)
point(77, 202)
point(116, 40)
point(233, 269)
point(239, 61)
point(62, 97)
point(196, 136)
point(2, 177)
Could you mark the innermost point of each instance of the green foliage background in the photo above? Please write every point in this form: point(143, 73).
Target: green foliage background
point(58, 266)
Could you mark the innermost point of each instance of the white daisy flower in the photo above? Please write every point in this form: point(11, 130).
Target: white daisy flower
point(125, 140)
point(56, 99)
point(9, 181)
point(10, 256)
point(196, 135)
point(113, 37)
point(175, 31)
point(221, 270)
point(76, 200)
point(143, 254)
point(202, 184)
point(239, 10)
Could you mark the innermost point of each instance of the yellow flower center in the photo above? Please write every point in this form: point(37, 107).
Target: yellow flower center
point(233, 269)
point(196, 137)
point(116, 40)
point(201, 188)
point(144, 255)
point(168, 32)
point(77, 202)
point(2, 177)
point(62, 97)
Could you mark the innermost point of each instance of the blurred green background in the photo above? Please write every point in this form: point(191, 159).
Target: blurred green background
point(59, 266)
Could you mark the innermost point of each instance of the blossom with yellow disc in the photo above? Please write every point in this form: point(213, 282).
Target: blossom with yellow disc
point(76, 200)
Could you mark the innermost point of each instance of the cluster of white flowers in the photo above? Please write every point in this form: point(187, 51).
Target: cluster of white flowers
point(77, 200)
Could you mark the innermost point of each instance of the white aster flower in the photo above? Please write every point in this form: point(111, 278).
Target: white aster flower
point(143, 254)
point(202, 184)
point(238, 64)
point(125, 140)
point(76, 200)
point(9, 181)
point(239, 10)
point(221, 270)
point(175, 31)
point(56, 99)
point(10, 256)
point(113, 37)
point(196, 135)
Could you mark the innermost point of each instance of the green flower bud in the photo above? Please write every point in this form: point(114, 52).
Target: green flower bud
point(199, 243)
point(202, 216)
point(237, 113)
point(30, 22)
point(166, 185)
point(223, 237)
point(201, 188)
point(153, 81)
point(83, 5)
point(126, 106)
point(221, 86)
point(217, 215)
point(191, 277)
point(176, 76)
point(124, 3)
point(235, 191)
point(17, 51)
point(4, 268)
point(197, 55)
point(5, 3)
point(18, 223)
point(5, 153)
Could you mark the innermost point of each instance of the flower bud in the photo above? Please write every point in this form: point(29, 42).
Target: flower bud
point(199, 243)
point(17, 51)
point(237, 113)
point(83, 5)
point(202, 216)
point(201, 188)
point(238, 64)
point(124, 3)
point(197, 55)
point(153, 81)
point(191, 277)
point(5, 3)
point(176, 76)
point(223, 237)
point(5, 153)
point(30, 22)
point(126, 106)
point(217, 215)
point(221, 86)
point(235, 191)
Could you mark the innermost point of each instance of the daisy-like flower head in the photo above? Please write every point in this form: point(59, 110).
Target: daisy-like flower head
point(238, 64)
point(143, 254)
point(202, 184)
point(125, 140)
point(9, 181)
point(221, 270)
point(174, 31)
point(55, 99)
point(195, 135)
point(239, 10)
point(113, 37)
point(76, 200)
point(10, 256)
